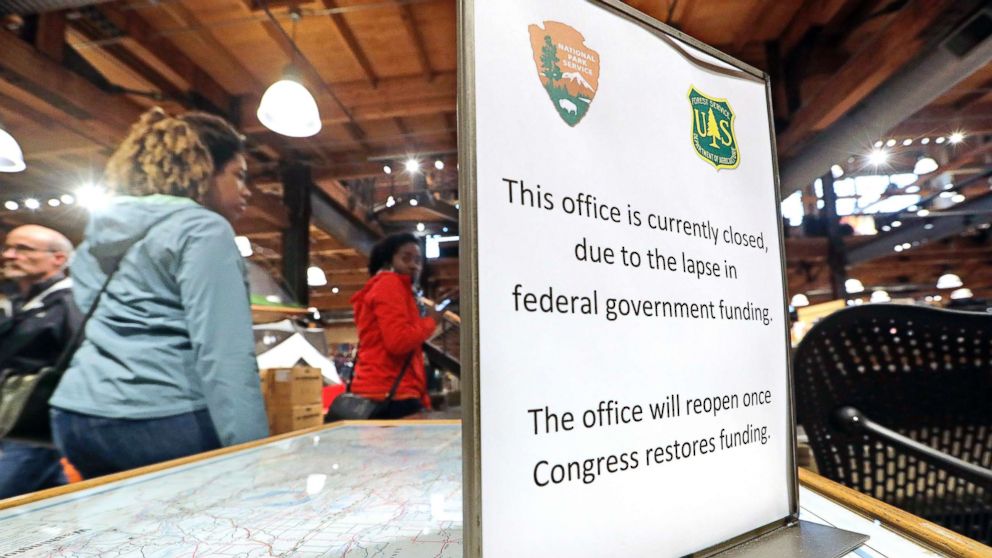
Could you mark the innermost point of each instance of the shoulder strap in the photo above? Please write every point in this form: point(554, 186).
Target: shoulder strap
point(77, 338)
point(396, 384)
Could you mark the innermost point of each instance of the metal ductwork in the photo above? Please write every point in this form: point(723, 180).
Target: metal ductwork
point(31, 7)
point(958, 55)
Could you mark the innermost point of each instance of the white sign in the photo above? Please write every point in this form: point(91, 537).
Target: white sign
point(631, 322)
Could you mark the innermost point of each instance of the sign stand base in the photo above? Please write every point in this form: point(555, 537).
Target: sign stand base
point(809, 540)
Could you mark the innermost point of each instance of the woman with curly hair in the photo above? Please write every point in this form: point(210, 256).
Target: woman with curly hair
point(167, 367)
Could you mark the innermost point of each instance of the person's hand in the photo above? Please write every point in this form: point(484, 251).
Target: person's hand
point(433, 313)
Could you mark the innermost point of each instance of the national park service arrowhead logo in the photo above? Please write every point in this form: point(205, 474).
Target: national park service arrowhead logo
point(713, 130)
point(567, 68)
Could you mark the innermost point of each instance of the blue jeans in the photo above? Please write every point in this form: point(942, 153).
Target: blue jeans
point(100, 446)
point(25, 468)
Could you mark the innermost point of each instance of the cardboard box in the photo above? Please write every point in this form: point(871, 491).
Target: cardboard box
point(288, 387)
point(296, 417)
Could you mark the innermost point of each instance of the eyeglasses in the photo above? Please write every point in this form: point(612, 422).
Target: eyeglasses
point(25, 249)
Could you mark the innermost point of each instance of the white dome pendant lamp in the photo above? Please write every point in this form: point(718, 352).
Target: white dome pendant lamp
point(287, 107)
point(11, 156)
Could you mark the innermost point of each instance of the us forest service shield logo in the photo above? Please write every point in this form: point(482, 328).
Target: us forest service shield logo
point(567, 68)
point(713, 130)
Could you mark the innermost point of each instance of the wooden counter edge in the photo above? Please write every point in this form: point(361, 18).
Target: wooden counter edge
point(99, 481)
point(920, 530)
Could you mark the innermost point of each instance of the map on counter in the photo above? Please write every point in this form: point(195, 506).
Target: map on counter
point(361, 491)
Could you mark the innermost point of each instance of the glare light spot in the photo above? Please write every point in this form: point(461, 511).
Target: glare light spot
point(890, 143)
point(335, 290)
point(896, 224)
point(413, 201)
point(420, 227)
point(67, 199)
point(956, 137)
point(11, 205)
point(439, 164)
point(912, 189)
point(387, 169)
point(32, 203)
point(923, 213)
point(390, 201)
point(958, 198)
point(925, 141)
point(939, 140)
point(878, 157)
point(907, 141)
point(878, 144)
point(412, 165)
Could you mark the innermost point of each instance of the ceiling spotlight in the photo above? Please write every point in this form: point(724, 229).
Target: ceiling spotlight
point(335, 290)
point(67, 199)
point(11, 205)
point(958, 198)
point(912, 189)
point(959, 294)
point(439, 164)
point(412, 165)
point(799, 301)
point(906, 246)
point(939, 140)
point(387, 169)
point(878, 157)
point(907, 141)
point(924, 165)
point(390, 201)
point(31, 203)
point(927, 226)
point(54, 203)
point(413, 201)
point(925, 141)
point(420, 227)
point(444, 229)
point(923, 213)
point(896, 224)
point(288, 108)
point(886, 228)
point(897, 247)
point(853, 286)
point(912, 208)
point(937, 298)
point(890, 143)
point(11, 156)
point(949, 281)
point(837, 171)
point(244, 246)
point(316, 277)
point(956, 138)
point(879, 143)
point(880, 296)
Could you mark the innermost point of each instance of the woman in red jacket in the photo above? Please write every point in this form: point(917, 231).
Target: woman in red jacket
point(391, 328)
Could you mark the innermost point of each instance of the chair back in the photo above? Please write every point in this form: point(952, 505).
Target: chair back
point(922, 372)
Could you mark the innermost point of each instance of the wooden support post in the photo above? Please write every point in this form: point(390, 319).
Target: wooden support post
point(296, 182)
point(836, 253)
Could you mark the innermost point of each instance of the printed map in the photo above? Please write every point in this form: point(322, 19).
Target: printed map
point(357, 491)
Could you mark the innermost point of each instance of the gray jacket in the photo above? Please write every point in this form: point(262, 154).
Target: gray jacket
point(172, 334)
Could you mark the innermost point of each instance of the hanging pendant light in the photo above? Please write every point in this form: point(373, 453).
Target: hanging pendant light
point(11, 156)
point(853, 286)
point(799, 301)
point(316, 277)
point(925, 165)
point(949, 281)
point(289, 109)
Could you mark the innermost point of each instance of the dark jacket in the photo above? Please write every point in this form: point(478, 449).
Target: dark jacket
point(390, 329)
point(40, 327)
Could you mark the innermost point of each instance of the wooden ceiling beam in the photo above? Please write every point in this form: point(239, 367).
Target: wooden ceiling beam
point(50, 36)
point(105, 116)
point(351, 42)
point(879, 59)
point(186, 19)
point(413, 31)
point(193, 79)
point(394, 97)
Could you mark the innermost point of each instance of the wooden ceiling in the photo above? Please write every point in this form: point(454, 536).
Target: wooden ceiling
point(383, 73)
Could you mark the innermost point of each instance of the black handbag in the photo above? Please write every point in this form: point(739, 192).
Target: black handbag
point(349, 406)
point(24, 395)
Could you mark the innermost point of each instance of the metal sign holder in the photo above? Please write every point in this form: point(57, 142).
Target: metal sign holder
point(788, 536)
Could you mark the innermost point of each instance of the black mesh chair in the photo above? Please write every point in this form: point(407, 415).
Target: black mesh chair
point(897, 403)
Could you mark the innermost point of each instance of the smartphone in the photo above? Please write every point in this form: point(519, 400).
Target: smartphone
point(440, 306)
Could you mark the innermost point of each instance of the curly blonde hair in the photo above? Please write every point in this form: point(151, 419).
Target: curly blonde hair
point(173, 155)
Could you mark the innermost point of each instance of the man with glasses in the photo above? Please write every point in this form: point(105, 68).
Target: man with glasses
point(37, 321)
